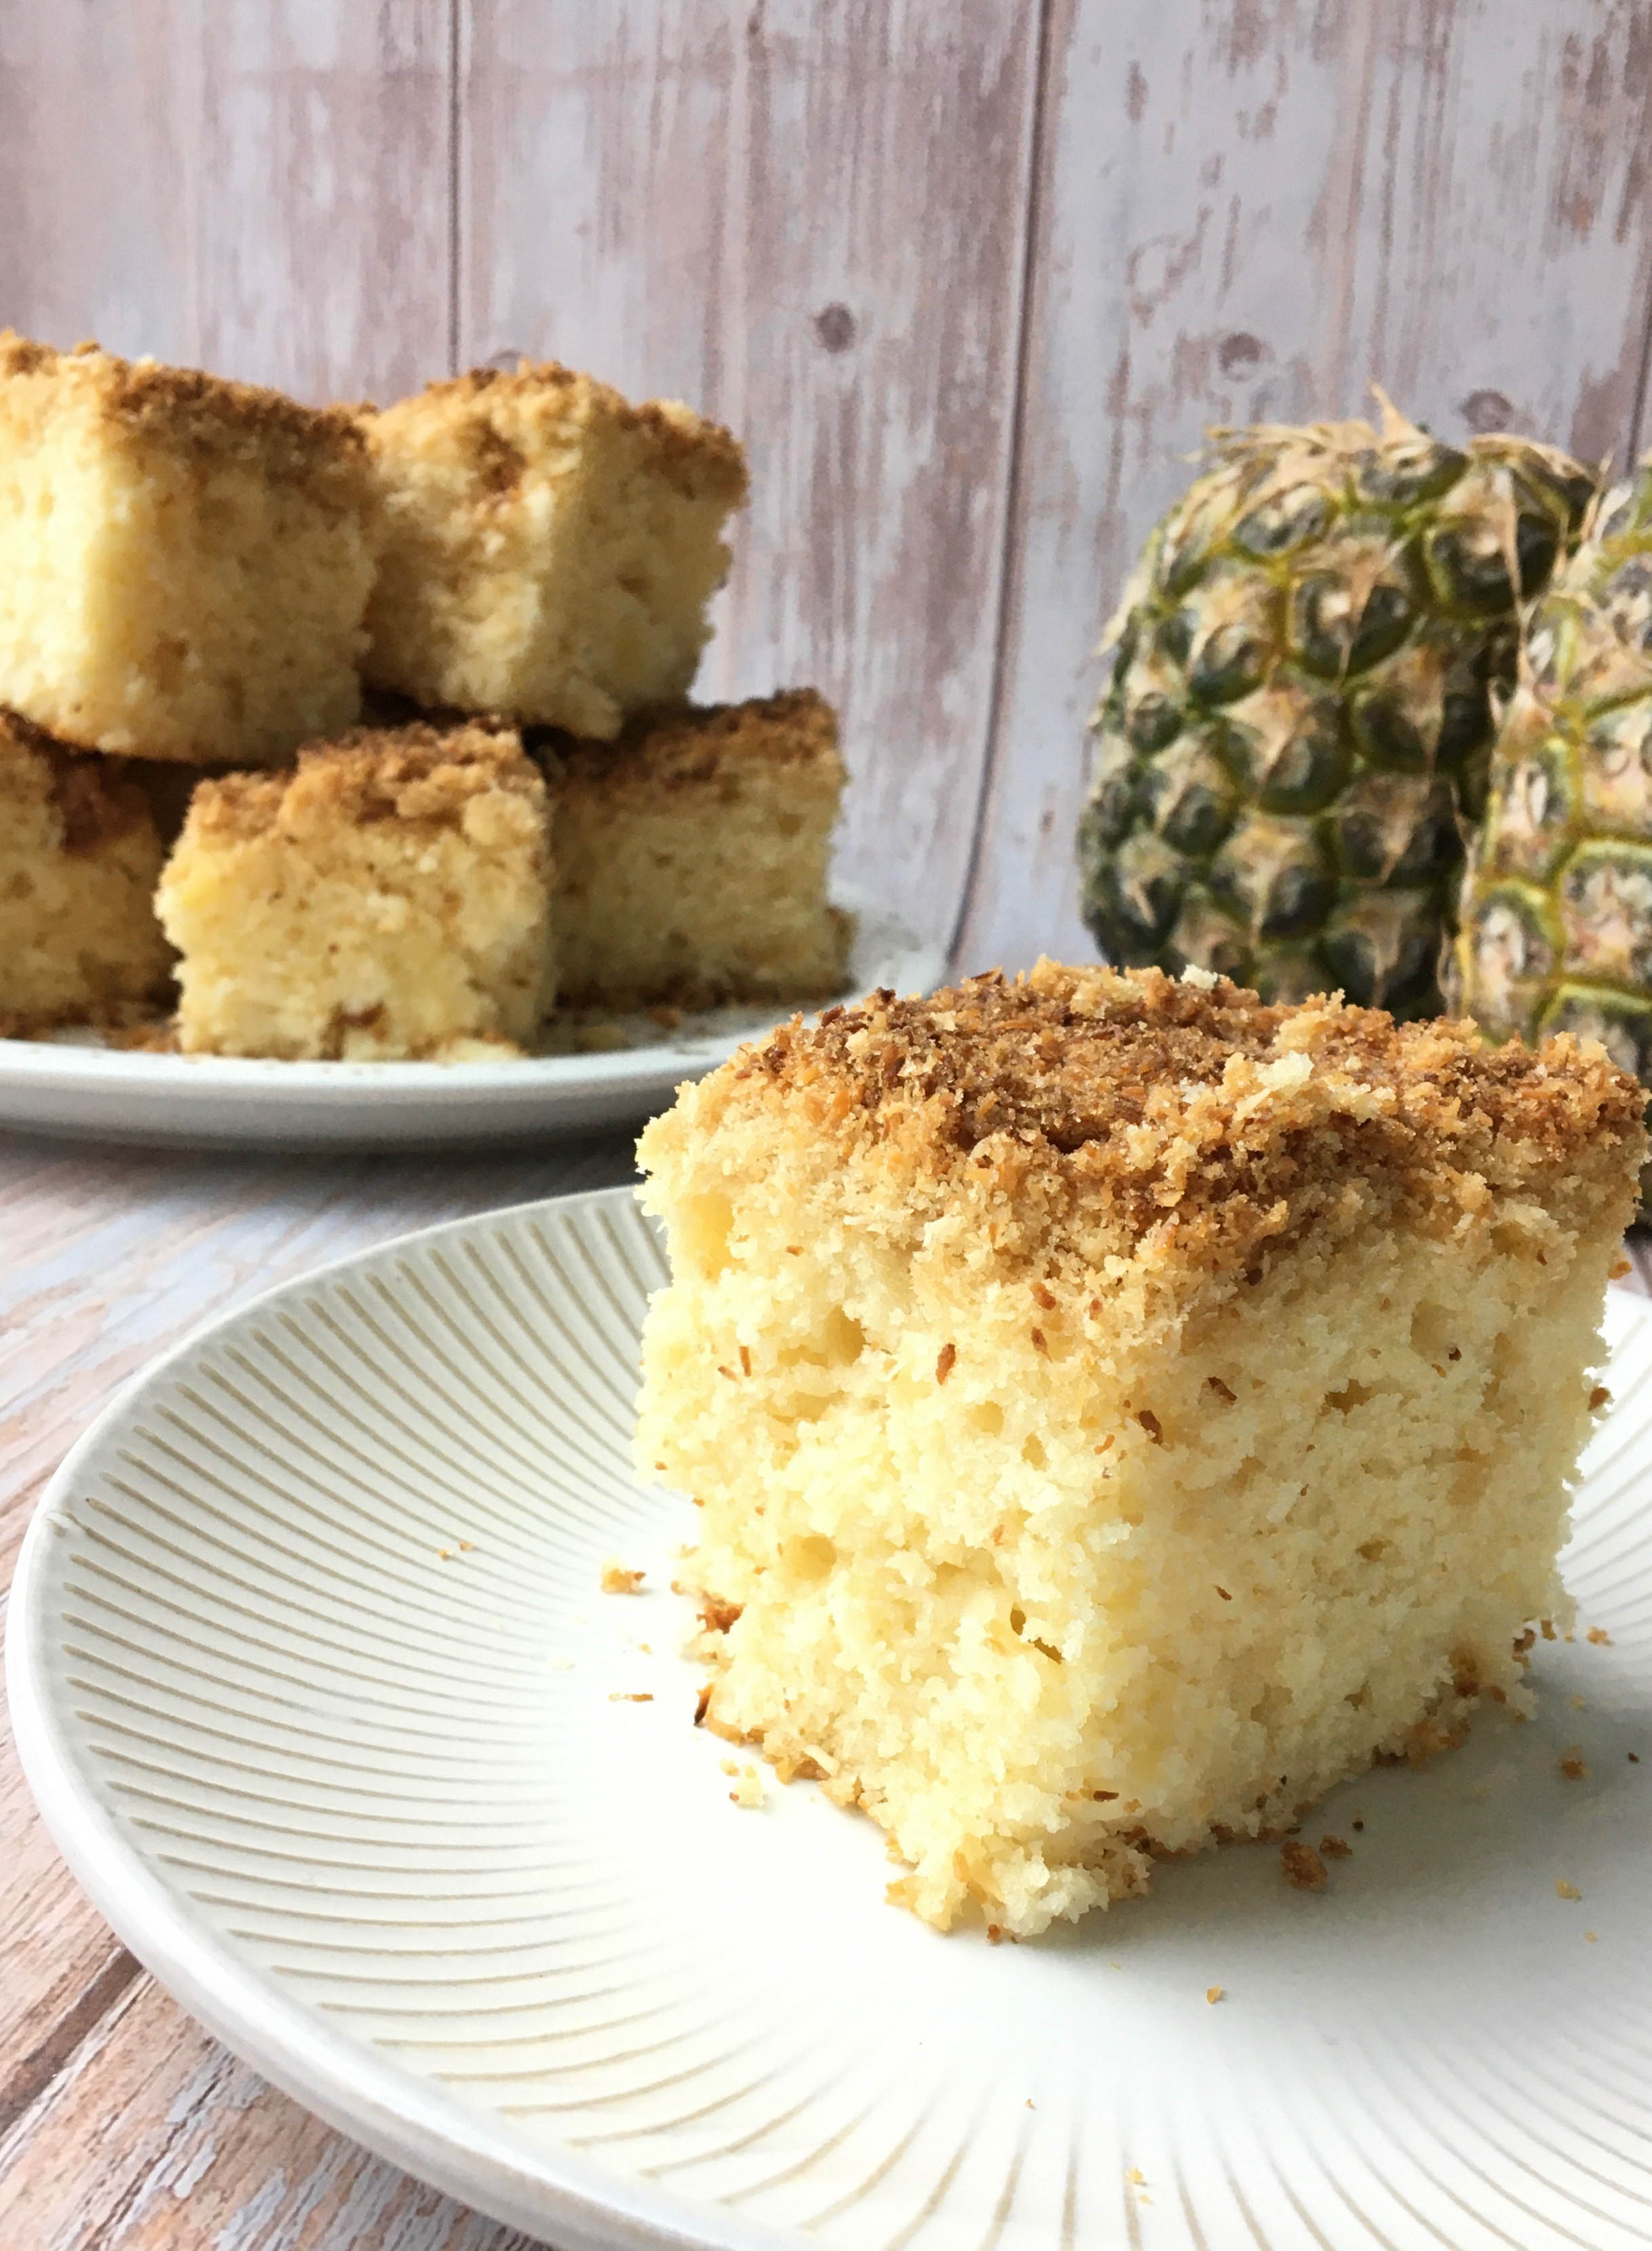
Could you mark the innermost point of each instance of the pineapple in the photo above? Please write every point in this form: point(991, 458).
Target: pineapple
point(1556, 905)
point(1299, 720)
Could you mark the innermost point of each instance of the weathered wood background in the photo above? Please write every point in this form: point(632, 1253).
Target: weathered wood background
point(969, 280)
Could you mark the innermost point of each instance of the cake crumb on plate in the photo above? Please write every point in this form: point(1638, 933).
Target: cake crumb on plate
point(1304, 1870)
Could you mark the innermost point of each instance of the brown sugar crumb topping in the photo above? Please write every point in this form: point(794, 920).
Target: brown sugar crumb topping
point(1304, 1870)
point(1175, 1107)
point(1573, 1764)
point(702, 744)
point(94, 797)
point(412, 773)
point(686, 441)
point(197, 411)
point(1336, 1848)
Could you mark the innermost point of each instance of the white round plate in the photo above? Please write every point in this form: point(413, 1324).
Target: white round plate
point(74, 1084)
point(316, 1689)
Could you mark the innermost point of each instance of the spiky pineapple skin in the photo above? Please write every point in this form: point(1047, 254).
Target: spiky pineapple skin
point(1556, 932)
point(1298, 724)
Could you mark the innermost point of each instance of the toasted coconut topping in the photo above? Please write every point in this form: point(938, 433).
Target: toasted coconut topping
point(418, 772)
point(660, 750)
point(1193, 1114)
point(690, 448)
point(199, 412)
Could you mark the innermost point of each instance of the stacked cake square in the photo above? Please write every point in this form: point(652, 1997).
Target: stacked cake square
point(428, 668)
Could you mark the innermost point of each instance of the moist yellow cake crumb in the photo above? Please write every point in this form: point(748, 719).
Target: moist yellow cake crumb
point(185, 563)
point(550, 549)
point(78, 857)
point(617, 1579)
point(388, 898)
point(692, 853)
point(1120, 1411)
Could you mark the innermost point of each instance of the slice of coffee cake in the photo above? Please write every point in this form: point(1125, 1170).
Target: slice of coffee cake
point(78, 857)
point(692, 853)
point(1120, 1410)
point(185, 563)
point(550, 549)
point(391, 898)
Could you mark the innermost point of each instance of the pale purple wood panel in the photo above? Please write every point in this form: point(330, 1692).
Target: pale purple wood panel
point(1248, 211)
point(92, 239)
point(810, 223)
point(323, 245)
point(261, 187)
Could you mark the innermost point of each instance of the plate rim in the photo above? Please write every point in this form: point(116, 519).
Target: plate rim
point(62, 1088)
point(390, 2109)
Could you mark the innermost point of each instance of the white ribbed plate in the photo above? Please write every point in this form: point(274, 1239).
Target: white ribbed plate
point(74, 1083)
point(375, 1817)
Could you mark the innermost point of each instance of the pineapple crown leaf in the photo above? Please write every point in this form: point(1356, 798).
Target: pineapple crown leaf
point(1396, 426)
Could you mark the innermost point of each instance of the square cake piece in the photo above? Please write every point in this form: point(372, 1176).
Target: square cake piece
point(691, 858)
point(389, 898)
point(1120, 1411)
point(78, 857)
point(184, 563)
point(550, 549)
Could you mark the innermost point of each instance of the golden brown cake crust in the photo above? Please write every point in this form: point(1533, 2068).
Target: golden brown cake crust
point(1199, 1118)
point(412, 773)
point(193, 411)
point(673, 750)
point(695, 452)
point(94, 799)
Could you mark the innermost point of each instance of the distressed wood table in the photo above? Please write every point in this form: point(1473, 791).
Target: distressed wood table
point(122, 2123)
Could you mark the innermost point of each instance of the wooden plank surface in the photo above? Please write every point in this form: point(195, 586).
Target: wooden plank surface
point(261, 190)
point(809, 222)
point(154, 2138)
point(1246, 212)
point(109, 1257)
